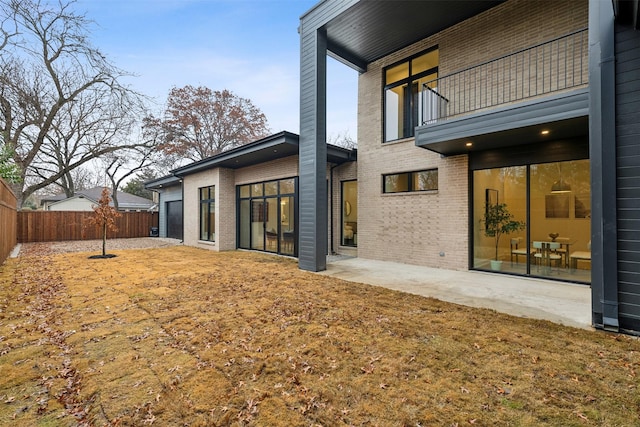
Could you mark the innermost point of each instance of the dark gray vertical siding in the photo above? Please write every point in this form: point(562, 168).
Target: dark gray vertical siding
point(168, 194)
point(313, 153)
point(602, 136)
point(628, 174)
point(313, 230)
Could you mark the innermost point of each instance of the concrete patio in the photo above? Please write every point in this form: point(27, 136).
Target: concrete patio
point(564, 303)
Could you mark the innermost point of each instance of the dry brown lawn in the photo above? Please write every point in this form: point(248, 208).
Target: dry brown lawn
point(182, 336)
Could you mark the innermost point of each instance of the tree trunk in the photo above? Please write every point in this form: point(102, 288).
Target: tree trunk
point(17, 190)
point(104, 238)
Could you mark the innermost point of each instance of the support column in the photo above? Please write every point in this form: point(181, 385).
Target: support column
point(602, 146)
point(313, 215)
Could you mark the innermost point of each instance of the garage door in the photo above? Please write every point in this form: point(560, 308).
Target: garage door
point(174, 219)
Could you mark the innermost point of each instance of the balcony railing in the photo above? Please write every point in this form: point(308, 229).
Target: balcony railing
point(556, 65)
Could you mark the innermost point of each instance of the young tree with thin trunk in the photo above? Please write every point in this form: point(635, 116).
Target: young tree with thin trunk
point(104, 216)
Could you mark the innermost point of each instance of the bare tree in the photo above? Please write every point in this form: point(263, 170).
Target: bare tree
point(61, 101)
point(123, 164)
point(343, 140)
point(200, 123)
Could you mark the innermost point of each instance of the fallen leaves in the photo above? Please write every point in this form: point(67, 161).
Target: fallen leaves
point(161, 336)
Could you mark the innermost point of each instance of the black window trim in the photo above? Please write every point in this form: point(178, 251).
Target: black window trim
point(211, 199)
point(342, 222)
point(400, 82)
point(409, 181)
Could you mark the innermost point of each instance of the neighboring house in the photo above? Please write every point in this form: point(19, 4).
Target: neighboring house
point(534, 104)
point(248, 197)
point(86, 200)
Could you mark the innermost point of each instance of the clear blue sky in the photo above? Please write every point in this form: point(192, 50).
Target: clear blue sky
point(250, 47)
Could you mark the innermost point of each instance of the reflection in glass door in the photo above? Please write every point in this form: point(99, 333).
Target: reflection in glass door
point(267, 216)
point(561, 220)
point(257, 224)
point(503, 192)
point(552, 202)
point(287, 225)
point(271, 224)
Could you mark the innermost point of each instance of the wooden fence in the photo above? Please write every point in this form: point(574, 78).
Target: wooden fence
point(8, 220)
point(52, 226)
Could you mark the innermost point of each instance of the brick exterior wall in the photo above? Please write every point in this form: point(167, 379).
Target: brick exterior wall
point(226, 210)
point(226, 181)
point(191, 206)
point(276, 169)
point(432, 228)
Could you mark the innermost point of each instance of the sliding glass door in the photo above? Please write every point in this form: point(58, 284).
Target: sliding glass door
point(267, 216)
point(534, 220)
point(504, 189)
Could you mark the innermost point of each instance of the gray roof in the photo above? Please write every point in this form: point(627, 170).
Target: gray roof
point(276, 146)
point(125, 200)
point(162, 182)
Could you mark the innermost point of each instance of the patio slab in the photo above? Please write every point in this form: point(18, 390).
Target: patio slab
point(564, 303)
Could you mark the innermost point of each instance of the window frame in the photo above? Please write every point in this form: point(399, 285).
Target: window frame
point(209, 202)
point(407, 103)
point(354, 242)
point(410, 178)
point(286, 187)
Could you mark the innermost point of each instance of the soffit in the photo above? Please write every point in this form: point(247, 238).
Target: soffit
point(370, 30)
point(274, 147)
point(564, 116)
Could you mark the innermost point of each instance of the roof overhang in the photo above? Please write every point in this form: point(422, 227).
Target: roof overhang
point(162, 182)
point(563, 116)
point(370, 30)
point(274, 147)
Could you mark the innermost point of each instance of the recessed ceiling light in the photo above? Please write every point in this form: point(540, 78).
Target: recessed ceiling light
point(544, 132)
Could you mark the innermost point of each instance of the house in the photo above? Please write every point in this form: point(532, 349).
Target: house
point(248, 198)
point(465, 105)
point(86, 200)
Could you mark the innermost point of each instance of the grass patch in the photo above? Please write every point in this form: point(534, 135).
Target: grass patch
point(182, 336)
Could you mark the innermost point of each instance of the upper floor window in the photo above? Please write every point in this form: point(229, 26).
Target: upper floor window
point(403, 84)
point(207, 213)
point(425, 180)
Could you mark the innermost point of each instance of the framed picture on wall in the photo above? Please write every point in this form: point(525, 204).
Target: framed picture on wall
point(491, 197)
point(556, 205)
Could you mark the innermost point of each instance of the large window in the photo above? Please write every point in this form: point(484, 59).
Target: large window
point(403, 100)
point(349, 213)
point(551, 202)
point(207, 213)
point(267, 216)
point(426, 180)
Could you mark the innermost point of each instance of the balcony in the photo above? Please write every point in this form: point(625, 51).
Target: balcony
point(545, 83)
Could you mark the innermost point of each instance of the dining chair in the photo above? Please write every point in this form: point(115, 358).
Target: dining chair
point(515, 251)
point(545, 254)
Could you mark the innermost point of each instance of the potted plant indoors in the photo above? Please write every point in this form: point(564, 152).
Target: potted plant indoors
point(498, 221)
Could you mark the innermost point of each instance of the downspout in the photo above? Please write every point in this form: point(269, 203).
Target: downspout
point(182, 197)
